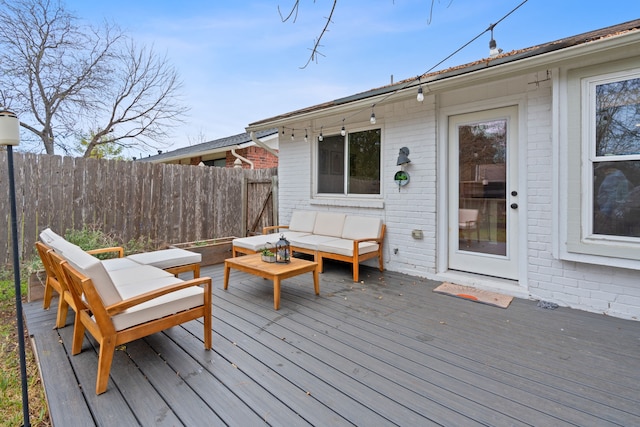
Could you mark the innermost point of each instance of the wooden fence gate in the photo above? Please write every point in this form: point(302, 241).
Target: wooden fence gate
point(259, 204)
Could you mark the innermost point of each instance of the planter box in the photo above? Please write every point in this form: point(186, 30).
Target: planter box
point(267, 258)
point(213, 251)
point(35, 290)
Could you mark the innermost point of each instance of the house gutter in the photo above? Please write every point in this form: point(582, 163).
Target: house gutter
point(259, 143)
point(243, 159)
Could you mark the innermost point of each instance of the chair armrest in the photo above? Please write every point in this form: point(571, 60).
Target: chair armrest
point(356, 243)
point(266, 230)
point(121, 306)
point(118, 249)
point(370, 239)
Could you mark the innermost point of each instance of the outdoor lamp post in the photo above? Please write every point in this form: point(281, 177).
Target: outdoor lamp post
point(10, 136)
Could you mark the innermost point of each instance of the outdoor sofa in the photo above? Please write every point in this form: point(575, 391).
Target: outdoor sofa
point(324, 235)
point(120, 300)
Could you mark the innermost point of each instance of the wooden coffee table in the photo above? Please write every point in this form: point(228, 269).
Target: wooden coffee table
point(277, 272)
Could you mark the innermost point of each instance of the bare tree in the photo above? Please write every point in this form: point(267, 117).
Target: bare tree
point(63, 78)
point(315, 52)
point(143, 100)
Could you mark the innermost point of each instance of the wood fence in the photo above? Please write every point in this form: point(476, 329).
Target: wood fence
point(126, 199)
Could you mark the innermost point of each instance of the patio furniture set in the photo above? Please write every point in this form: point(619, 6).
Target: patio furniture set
point(324, 235)
point(121, 299)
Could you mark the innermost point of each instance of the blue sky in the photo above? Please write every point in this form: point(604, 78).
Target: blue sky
point(241, 64)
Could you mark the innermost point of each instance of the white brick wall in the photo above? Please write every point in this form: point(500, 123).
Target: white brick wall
point(596, 288)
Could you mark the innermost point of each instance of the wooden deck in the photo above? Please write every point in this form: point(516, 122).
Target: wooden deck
point(388, 351)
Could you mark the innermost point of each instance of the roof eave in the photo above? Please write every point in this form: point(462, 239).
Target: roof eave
point(502, 66)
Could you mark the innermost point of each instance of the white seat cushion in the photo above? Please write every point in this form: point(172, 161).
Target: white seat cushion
point(345, 247)
point(61, 245)
point(329, 224)
point(257, 243)
point(140, 273)
point(302, 221)
point(47, 236)
point(157, 308)
point(91, 267)
point(167, 258)
point(361, 227)
point(309, 242)
point(113, 264)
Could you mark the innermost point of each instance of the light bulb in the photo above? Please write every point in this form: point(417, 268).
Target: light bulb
point(420, 96)
point(292, 137)
point(320, 137)
point(343, 131)
point(373, 118)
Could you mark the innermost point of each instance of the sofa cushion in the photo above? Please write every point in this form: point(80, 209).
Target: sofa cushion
point(361, 227)
point(59, 245)
point(259, 242)
point(167, 258)
point(113, 264)
point(47, 236)
point(303, 221)
point(329, 224)
point(345, 247)
point(310, 241)
point(132, 289)
point(157, 308)
point(91, 267)
point(136, 274)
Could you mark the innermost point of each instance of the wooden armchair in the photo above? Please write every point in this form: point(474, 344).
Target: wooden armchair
point(55, 280)
point(52, 283)
point(115, 316)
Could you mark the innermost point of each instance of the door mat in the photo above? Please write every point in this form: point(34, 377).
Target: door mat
point(473, 294)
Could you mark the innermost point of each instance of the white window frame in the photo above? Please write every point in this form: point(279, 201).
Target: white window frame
point(345, 198)
point(577, 196)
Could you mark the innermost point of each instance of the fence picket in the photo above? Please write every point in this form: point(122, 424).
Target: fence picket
point(166, 203)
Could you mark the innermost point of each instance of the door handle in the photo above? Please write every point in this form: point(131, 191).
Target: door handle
point(514, 206)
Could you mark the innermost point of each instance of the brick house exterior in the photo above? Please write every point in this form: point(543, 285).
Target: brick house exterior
point(540, 112)
point(220, 152)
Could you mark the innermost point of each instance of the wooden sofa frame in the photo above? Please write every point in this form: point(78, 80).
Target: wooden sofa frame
point(318, 256)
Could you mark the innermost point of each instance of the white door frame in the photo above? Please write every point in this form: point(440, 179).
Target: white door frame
point(443, 115)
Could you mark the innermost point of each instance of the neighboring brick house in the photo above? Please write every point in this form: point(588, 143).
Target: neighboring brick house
point(234, 151)
point(541, 144)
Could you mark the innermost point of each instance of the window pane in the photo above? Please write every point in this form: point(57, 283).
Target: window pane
point(331, 165)
point(618, 118)
point(616, 198)
point(364, 162)
point(482, 214)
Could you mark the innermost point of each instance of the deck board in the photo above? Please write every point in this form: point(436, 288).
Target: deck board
point(386, 351)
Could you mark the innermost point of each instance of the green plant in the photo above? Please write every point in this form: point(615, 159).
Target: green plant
point(266, 252)
point(141, 244)
point(31, 265)
point(10, 378)
point(91, 237)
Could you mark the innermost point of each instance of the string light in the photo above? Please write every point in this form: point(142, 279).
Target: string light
point(292, 136)
point(306, 136)
point(412, 82)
